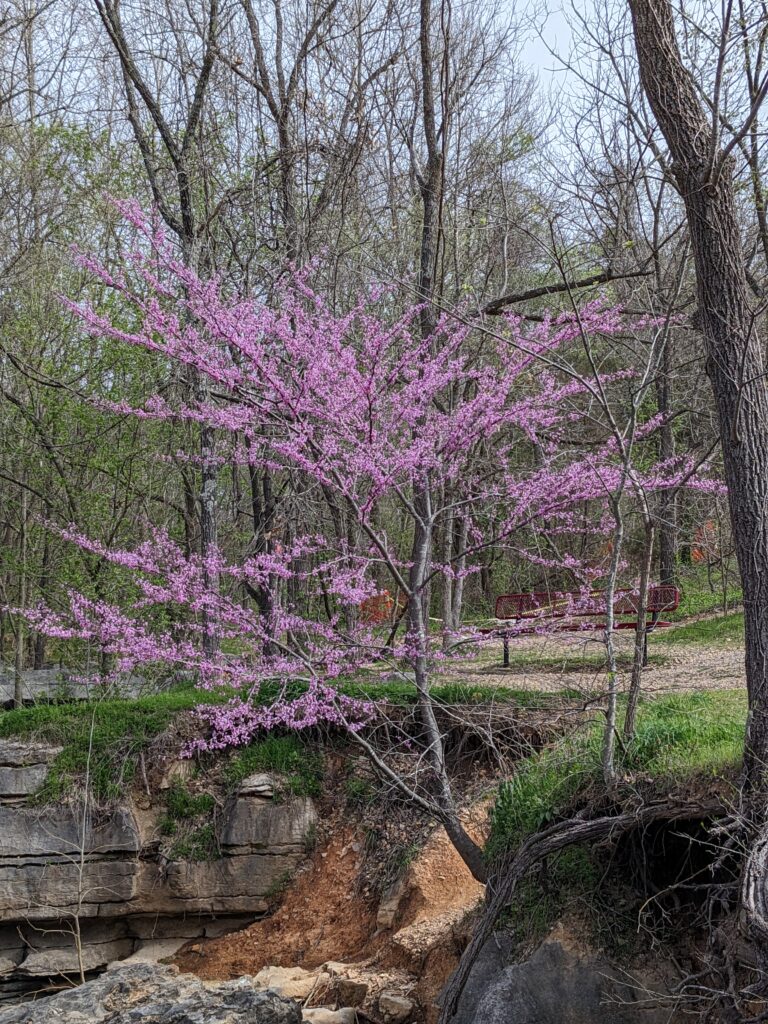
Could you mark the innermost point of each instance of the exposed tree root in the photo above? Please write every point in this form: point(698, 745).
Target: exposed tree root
point(508, 875)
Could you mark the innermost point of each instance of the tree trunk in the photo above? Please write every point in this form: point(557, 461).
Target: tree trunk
point(641, 633)
point(18, 662)
point(735, 362)
point(666, 516)
point(418, 628)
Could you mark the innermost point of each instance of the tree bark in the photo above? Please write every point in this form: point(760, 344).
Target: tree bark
point(641, 633)
point(734, 357)
point(666, 516)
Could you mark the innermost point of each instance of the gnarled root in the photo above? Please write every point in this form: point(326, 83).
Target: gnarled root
point(506, 877)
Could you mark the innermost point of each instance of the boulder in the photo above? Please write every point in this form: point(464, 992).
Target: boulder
point(350, 991)
point(155, 994)
point(254, 824)
point(322, 1015)
point(553, 987)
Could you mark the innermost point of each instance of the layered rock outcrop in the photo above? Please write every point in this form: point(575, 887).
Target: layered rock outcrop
point(153, 994)
point(79, 889)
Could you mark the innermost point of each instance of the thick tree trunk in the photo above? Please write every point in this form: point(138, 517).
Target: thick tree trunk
point(735, 361)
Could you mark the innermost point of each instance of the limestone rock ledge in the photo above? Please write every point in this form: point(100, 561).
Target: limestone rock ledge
point(156, 994)
point(100, 877)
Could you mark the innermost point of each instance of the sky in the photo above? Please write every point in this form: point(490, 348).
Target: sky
point(549, 30)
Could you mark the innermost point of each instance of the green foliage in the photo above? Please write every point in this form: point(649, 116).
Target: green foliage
point(358, 791)
point(300, 767)
point(198, 844)
point(188, 820)
point(677, 738)
point(542, 789)
point(182, 804)
point(570, 876)
point(115, 732)
point(689, 734)
point(697, 596)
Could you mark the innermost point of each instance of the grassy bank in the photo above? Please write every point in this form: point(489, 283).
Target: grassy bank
point(678, 738)
point(107, 737)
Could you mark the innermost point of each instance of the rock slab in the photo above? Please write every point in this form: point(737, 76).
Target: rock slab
point(155, 994)
point(553, 987)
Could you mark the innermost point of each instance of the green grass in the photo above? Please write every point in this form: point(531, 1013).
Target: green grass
point(197, 844)
point(698, 598)
point(725, 629)
point(540, 899)
point(289, 756)
point(182, 804)
point(117, 731)
point(678, 737)
point(188, 819)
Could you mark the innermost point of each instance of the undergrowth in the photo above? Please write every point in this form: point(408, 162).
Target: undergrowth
point(682, 739)
point(188, 824)
point(677, 738)
point(300, 767)
point(105, 738)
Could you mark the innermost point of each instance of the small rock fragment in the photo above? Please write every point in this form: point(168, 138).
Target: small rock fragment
point(351, 992)
point(322, 1015)
point(259, 785)
point(394, 1008)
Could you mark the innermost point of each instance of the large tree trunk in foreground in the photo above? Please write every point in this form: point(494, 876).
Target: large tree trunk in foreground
point(735, 362)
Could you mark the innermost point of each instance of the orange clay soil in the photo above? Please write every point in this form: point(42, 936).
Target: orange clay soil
point(321, 918)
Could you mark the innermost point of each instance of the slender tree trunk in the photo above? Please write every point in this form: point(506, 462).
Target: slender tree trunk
point(448, 581)
point(45, 581)
point(609, 735)
point(668, 499)
point(18, 662)
point(735, 361)
point(641, 632)
point(460, 565)
point(423, 534)
point(418, 628)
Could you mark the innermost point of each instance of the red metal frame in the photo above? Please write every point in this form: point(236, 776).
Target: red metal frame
point(560, 605)
point(544, 606)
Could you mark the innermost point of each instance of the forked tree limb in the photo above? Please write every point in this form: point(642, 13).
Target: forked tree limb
point(504, 882)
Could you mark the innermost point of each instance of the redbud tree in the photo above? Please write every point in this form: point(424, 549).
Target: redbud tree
point(359, 407)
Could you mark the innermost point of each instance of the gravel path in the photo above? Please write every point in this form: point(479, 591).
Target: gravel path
point(570, 664)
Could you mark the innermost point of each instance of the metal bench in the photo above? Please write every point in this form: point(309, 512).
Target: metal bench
point(577, 613)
